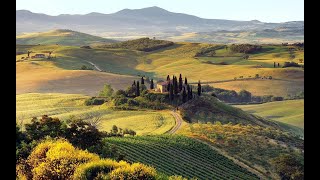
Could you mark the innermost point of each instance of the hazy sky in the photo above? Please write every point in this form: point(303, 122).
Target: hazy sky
point(263, 10)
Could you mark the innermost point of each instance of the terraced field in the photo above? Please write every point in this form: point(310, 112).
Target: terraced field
point(172, 154)
point(65, 105)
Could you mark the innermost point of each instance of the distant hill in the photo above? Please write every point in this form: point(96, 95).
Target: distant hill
point(61, 36)
point(142, 44)
point(133, 23)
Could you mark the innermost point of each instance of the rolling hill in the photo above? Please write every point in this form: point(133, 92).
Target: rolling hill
point(152, 21)
point(62, 37)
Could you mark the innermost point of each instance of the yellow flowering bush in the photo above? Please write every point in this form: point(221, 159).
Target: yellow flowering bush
point(133, 172)
point(97, 168)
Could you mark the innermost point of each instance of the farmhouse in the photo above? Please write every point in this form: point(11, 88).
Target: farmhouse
point(39, 56)
point(162, 86)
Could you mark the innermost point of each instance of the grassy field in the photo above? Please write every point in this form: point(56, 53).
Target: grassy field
point(175, 60)
point(64, 37)
point(172, 154)
point(290, 112)
point(65, 105)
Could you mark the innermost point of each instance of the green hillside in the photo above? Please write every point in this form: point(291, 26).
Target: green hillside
point(142, 44)
point(289, 114)
point(179, 155)
point(61, 36)
point(207, 108)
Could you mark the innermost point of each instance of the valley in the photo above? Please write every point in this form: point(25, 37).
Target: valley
point(120, 90)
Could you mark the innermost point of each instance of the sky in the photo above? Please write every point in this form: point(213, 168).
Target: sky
point(266, 11)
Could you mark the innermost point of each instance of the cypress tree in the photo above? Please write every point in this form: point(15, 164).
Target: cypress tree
point(180, 83)
point(274, 64)
point(138, 89)
point(134, 83)
point(184, 95)
point(199, 88)
point(171, 95)
point(188, 92)
point(168, 86)
point(278, 64)
point(168, 78)
point(151, 84)
point(185, 81)
point(175, 86)
point(191, 92)
point(142, 80)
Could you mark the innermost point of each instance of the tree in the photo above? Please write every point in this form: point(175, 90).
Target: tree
point(168, 86)
point(114, 129)
point(134, 83)
point(245, 57)
point(245, 96)
point(107, 91)
point(138, 89)
point(29, 53)
point(278, 64)
point(180, 83)
point(142, 80)
point(151, 84)
point(168, 78)
point(274, 64)
point(171, 95)
point(185, 81)
point(184, 95)
point(199, 88)
point(175, 86)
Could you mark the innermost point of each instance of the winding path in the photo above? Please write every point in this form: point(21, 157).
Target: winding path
point(95, 66)
point(178, 122)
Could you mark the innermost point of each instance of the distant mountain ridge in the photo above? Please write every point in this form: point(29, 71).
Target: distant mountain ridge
point(152, 20)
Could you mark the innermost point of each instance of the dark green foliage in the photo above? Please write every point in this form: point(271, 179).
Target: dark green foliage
point(142, 80)
point(277, 98)
point(289, 166)
point(142, 44)
point(138, 89)
point(151, 84)
point(134, 83)
point(245, 96)
point(199, 89)
point(291, 64)
point(84, 67)
point(180, 83)
point(94, 101)
point(132, 102)
point(245, 57)
point(175, 85)
point(185, 81)
point(274, 64)
point(209, 51)
point(121, 92)
point(118, 101)
point(184, 95)
point(46, 126)
point(168, 78)
point(82, 134)
point(86, 47)
point(171, 94)
point(245, 48)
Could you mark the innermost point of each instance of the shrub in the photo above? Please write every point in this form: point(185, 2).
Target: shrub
point(54, 160)
point(94, 101)
point(277, 98)
point(132, 102)
point(94, 169)
point(86, 47)
point(133, 172)
point(121, 93)
point(120, 101)
point(107, 91)
point(291, 64)
point(245, 48)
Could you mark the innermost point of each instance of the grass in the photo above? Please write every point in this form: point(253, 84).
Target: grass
point(179, 58)
point(65, 105)
point(63, 37)
point(179, 155)
point(289, 112)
